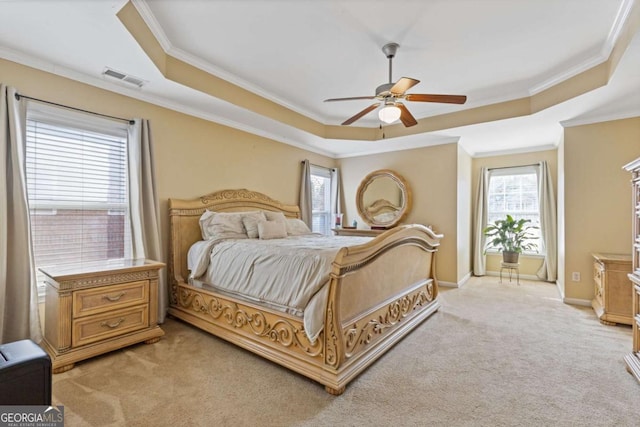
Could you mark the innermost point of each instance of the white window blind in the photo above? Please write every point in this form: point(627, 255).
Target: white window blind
point(514, 191)
point(321, 199)
point(77, 189)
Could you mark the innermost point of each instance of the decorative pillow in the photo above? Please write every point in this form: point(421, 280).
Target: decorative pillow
point(250, 222)
point(297, 227)
point(222, 225)
point(275, 216)
point(204, 221)
point(272, 229)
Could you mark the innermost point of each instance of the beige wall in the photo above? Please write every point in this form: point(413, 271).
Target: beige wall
point(431, 174)
point(193, 156)
point(597, 196)
point(529, 265)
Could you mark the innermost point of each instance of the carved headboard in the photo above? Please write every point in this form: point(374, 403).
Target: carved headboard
point(185, 228)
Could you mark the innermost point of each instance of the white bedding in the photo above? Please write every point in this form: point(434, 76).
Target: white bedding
point(290, 274)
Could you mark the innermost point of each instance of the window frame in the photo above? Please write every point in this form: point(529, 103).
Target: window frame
point(77, 121)
point(512, 171)
point(324, 173)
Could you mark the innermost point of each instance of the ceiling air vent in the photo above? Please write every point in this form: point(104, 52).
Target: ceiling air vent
point(136, 81)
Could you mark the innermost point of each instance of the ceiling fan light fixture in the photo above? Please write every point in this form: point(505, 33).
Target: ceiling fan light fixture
point(389, 114)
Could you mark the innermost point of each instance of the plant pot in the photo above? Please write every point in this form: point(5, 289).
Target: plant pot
point(510, 257)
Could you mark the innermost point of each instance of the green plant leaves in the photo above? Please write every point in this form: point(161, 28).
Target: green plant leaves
point(510, 235)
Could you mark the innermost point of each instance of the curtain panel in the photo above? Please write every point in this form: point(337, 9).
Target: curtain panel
point(548, 224)
point(144, 206)
point(306, 196)
point(19, 318)
point(479, 257)
point(336, 196)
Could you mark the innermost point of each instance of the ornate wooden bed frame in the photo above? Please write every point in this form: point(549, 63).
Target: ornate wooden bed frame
point(379, 292)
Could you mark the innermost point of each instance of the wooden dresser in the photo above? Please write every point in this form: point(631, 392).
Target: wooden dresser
point(633, 359)
point(97, 307)
point(613, 291)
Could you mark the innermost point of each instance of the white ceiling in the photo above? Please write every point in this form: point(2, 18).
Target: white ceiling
point(299, 53)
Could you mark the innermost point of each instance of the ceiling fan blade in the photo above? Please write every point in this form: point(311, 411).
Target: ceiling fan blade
point(447, 99)
point(403, 85)
point(367, 110)
point(349, 99)
point(406, 117)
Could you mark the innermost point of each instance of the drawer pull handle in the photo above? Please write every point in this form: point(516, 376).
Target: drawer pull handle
point(112, 325)
point(114, 298)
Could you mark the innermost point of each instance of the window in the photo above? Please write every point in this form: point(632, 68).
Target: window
point(321, 199)
point(514, 191)
point(77, 187)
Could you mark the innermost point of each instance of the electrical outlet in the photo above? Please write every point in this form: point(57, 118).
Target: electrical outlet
point(575, 276)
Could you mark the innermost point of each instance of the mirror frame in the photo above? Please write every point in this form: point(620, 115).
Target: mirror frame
point(406, 197)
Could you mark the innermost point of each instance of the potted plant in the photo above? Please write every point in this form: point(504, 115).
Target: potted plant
point(511, 237)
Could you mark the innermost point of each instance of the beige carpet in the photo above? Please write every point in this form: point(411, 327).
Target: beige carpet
point(494, 355)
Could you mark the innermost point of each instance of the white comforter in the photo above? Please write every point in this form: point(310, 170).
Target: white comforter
point(289, 274)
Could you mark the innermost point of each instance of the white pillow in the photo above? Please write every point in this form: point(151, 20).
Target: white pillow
point(222, 225)
point(272, 229)
point(275, 216)
point(250, 222)
point(297, 227)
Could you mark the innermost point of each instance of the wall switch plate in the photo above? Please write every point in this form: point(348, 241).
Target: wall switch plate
point(575, 276)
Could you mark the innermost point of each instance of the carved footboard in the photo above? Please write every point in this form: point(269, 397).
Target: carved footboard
point(378, 293)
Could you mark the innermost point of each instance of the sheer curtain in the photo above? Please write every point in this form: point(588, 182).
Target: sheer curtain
point(306, 197)
point(19, 317)
point(144, 205)
point(548, 224)
point(479, 258)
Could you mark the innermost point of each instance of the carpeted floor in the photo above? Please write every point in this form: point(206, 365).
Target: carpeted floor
point(494, 355)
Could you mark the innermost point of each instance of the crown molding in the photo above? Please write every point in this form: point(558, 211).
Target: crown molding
point(562, 76)
point(529, 149)
point(597, 57)
point(170, 49)
point(152, 23)
point(620, 115)
point(401, 146)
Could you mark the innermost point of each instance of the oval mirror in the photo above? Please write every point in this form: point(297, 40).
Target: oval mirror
point(383, 198)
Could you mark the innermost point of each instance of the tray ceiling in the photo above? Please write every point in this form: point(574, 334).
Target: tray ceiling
point(296, 54)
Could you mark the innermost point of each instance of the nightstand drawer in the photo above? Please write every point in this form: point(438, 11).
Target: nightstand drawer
point(107, 298)
point(118, 322)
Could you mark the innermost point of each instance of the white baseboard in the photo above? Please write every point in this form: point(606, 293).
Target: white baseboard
point(444, 284)
point(576, 301)
point(460, 284)
point(464, 280)
point(572, 301)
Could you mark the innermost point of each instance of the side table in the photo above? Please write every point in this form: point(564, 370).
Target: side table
point(510, 267)
point(95, 307)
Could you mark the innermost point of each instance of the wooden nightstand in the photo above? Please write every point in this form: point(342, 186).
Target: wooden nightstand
point(613, 293)
point(97, 307)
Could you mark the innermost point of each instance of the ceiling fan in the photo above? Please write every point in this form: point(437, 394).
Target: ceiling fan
point(391, 93)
